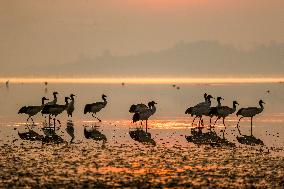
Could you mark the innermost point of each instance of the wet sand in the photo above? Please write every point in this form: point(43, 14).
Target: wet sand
point(97, 164)
point(122, 162)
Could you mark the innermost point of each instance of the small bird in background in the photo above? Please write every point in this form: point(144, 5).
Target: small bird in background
point(32, 110)
point(7, 84)
point(96, 107)
point(250, 112)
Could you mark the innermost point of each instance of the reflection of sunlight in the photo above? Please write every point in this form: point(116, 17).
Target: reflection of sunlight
point(227, 80)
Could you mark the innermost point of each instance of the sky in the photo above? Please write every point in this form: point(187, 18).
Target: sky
point(59, 32)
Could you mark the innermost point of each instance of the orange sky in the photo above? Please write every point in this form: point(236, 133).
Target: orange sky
point(58, 32)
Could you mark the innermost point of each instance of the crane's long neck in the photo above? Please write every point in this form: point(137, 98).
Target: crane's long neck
point(42, 101)
point(219, 103)
point(153, 109)
point(72, 100)
point(261, 107)
point(234, 107)
point(104, 99)
point(54, 98)
point(66, 101)
point(208, 101)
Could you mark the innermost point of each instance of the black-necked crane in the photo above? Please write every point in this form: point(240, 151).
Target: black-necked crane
point(225, 111)
point(55, 110)
point(54, 101)
point(137, 108)
point(70, 109)
point(32, 110)
point(250, 112)
point(146, 114)
point(134, 108)
point(96, 107)
point(213, 110)
point(200, 109)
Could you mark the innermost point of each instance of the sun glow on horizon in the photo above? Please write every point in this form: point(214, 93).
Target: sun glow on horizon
point(220, 80)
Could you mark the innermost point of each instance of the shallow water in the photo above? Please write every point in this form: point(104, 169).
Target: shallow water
point(121, 161)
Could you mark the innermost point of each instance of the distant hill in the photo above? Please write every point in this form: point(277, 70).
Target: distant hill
point(202, 58)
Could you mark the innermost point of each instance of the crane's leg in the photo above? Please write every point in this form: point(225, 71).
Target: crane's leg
point(238, 125)
point(251, 126)
point(193, 121)
point(210, 123)
point(27, 122)
point(49, 120)
point(225, 127)
point(59, 122)
point(54, 124)
point(146, 125)
point(216, 121)
point(33, 121)
point(97, 118)
point(202, 122)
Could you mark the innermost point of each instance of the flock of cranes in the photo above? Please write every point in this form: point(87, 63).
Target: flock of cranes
point(142, 112)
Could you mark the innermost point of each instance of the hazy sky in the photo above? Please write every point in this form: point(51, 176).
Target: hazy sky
point(59, 32)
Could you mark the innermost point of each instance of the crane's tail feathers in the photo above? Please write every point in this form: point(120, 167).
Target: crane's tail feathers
point(87, 108)
point(213, 111)
point(132, 108)
point(189, 110)
point(136, 117)
point(23, 110)
point(239, 112)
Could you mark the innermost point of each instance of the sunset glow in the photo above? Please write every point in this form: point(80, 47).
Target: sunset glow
point(146, 80)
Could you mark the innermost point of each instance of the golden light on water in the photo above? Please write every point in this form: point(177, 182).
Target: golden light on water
point(221, 80)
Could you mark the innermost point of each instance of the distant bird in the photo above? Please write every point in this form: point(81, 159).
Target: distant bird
point(32, 110)
point(250, 112)
point(223, 112)
point(146, 114)
point(55, 110)
point(268, 91)
point(200, 109)
point(54, 101)
point(7, 84)
point(96, 107)
point(45, 83)
point(70, 108)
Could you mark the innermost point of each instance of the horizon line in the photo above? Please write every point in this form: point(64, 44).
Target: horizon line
point(148, 80)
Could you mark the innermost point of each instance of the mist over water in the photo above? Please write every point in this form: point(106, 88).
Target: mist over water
point(172, 101)
point(122, 161)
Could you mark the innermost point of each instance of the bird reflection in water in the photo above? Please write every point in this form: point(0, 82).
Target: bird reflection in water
point(30, 135)
point(141, 136)
point(92, 132)
point(249, 140)
point(207, 138)
point(70, 130)
point(51, 136)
